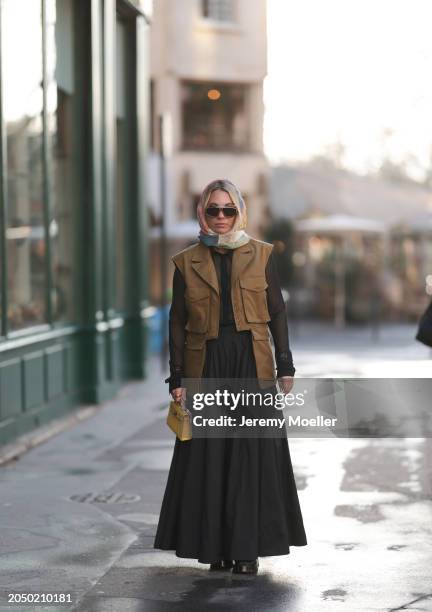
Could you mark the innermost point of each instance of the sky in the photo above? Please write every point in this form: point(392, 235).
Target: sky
point(349, 70)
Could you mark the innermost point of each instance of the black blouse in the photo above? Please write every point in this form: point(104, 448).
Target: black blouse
point(278, 324)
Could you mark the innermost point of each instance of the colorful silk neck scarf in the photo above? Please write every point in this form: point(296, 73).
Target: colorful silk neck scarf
point(230, 240)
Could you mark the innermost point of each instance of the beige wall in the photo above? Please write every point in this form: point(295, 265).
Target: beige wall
point(200, 48)
point(186, 46)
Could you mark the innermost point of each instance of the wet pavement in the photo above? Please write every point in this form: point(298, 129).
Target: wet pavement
point(79, 512)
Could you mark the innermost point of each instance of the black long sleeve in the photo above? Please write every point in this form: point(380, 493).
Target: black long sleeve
point(177, 332)
point(278, 324)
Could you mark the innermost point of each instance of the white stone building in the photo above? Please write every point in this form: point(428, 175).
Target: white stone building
point(208, 62)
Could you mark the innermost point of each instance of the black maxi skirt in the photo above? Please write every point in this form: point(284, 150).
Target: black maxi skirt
point(230, 498)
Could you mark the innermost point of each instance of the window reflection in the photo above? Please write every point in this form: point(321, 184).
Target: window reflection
point(26, 242)
point(22, 104)
point(61, 147)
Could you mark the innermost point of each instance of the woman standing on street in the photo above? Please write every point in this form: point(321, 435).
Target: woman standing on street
point(228, 501)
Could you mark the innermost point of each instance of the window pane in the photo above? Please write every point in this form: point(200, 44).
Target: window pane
point(22, 103)
point(221, 10)
point(61, 147)
point(214, 116)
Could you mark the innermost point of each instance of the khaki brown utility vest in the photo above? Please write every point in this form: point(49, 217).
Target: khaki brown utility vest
point(249, 301)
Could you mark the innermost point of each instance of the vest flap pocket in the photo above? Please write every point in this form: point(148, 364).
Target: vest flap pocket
point(260, 333)
point(196, 293)
point(254, 283)
point(254, 298)
point(195, 341)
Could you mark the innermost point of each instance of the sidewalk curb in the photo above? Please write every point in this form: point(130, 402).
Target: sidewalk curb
point(12, 451)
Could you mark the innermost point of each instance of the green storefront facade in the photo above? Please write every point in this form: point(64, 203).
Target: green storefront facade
point(73, 211)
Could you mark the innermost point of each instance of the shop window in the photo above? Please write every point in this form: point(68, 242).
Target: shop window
point(215, 116)
point(61, 99)
point(34, 186)
point(22, 112)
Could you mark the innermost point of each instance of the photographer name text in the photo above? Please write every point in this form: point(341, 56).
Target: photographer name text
point(291, 421)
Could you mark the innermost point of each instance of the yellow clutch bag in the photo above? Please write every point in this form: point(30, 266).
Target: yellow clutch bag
point(179, 420)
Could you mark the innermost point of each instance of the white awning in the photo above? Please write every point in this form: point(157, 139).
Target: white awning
point(340, 224)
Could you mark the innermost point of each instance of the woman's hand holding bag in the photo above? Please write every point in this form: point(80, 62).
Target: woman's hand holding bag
point(177, 394)
point(179, 417)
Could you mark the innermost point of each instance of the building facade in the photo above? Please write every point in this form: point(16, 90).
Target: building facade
point(208, 63)
point(73, 209)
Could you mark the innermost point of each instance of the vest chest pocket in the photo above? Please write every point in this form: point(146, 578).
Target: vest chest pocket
point(198, 306)
point(254, 296)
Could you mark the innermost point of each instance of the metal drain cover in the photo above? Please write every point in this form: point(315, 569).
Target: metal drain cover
point(106, 498)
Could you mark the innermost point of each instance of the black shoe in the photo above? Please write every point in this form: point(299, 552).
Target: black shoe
point(226, 564)
point(246, 567)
